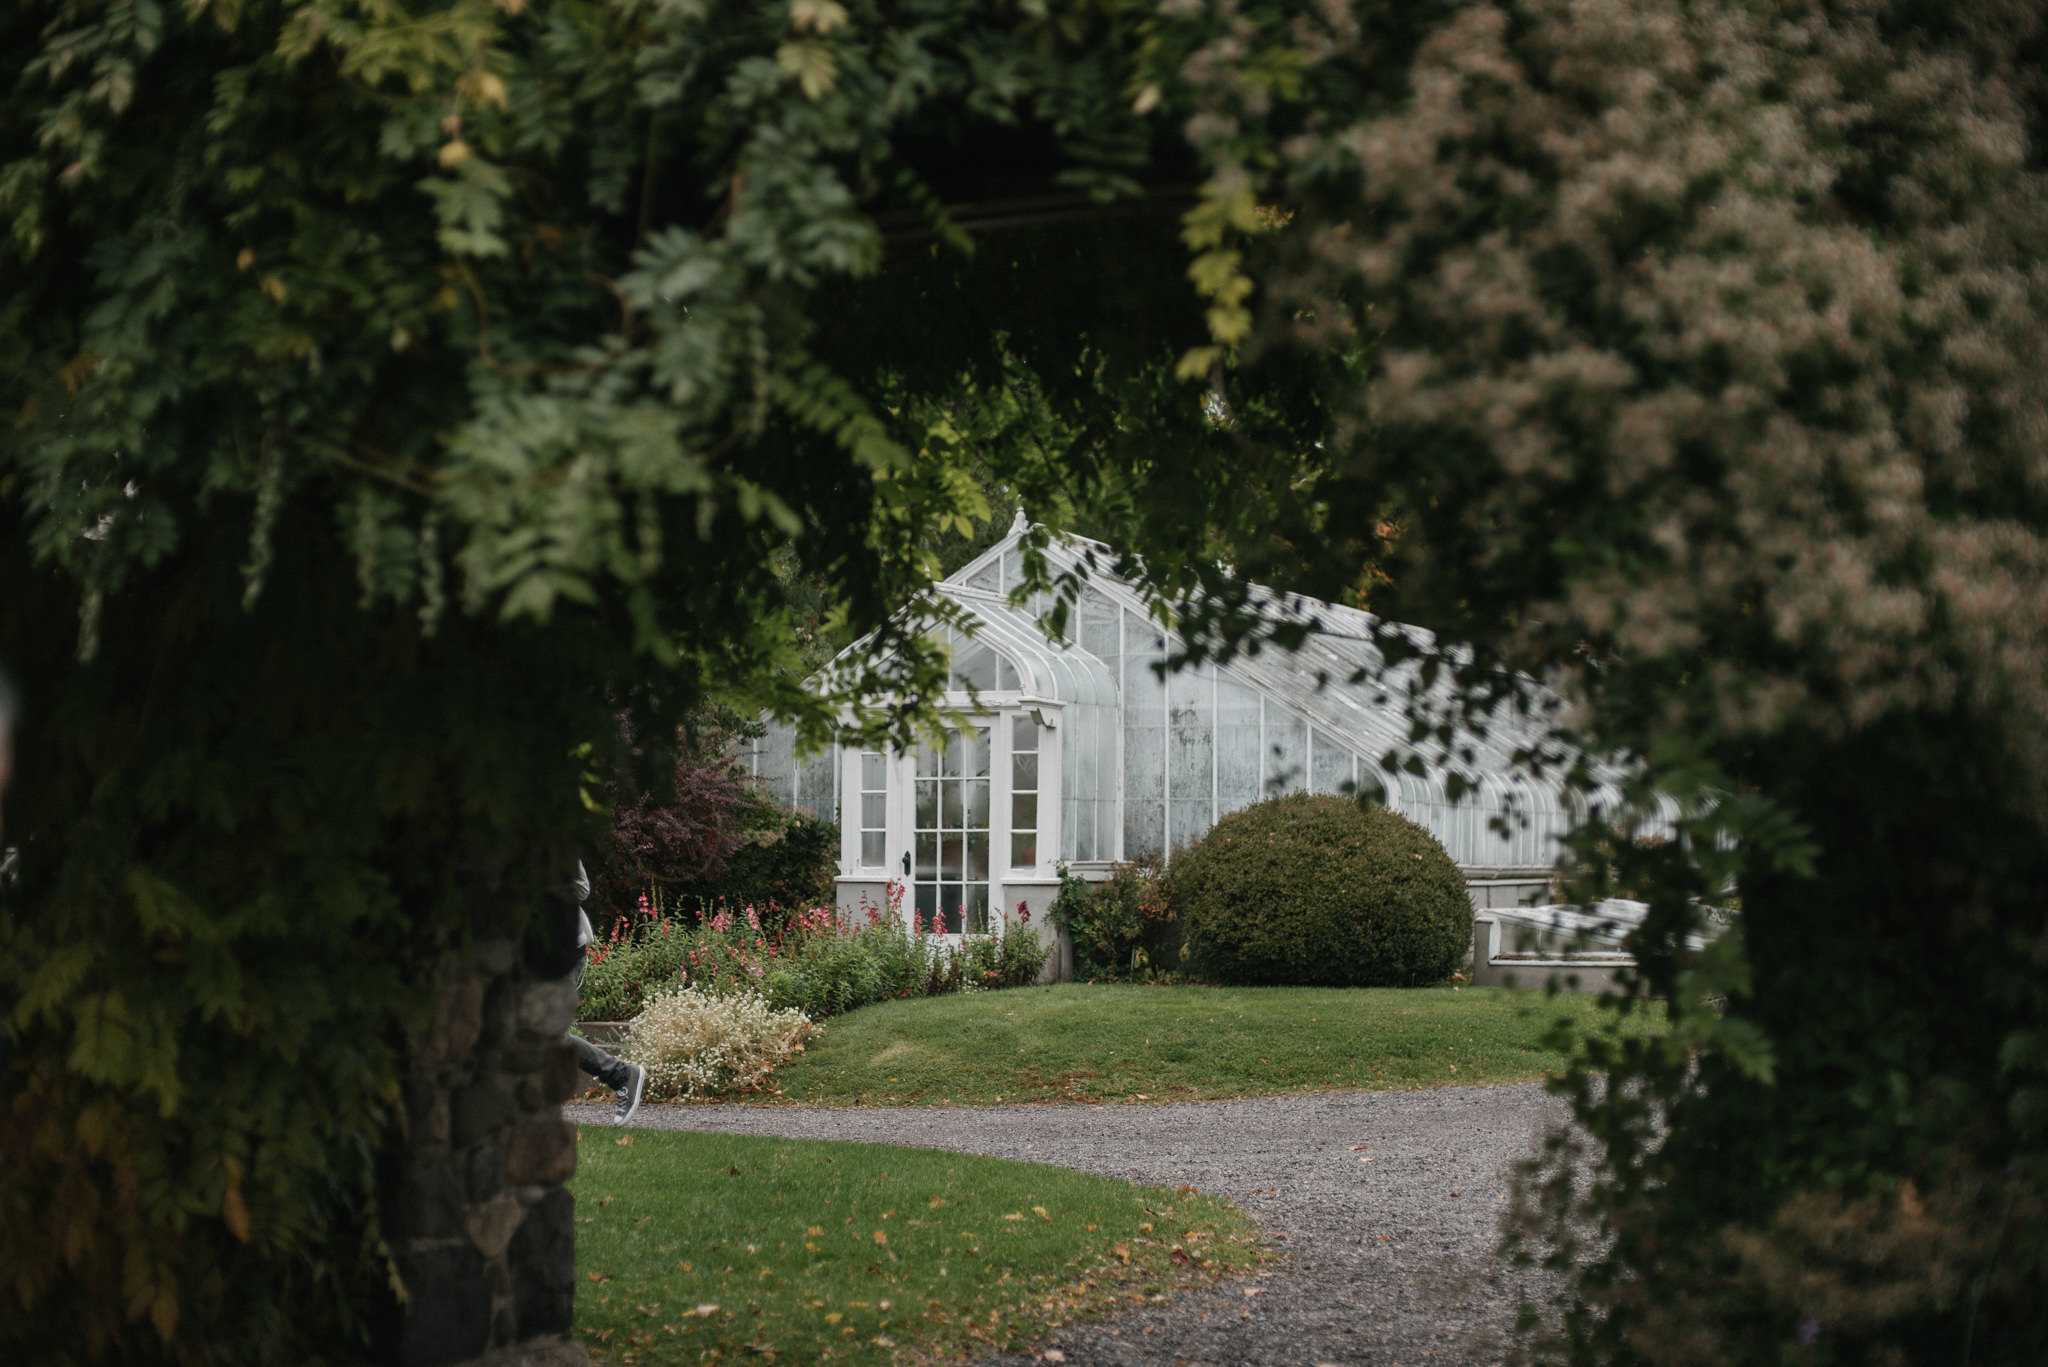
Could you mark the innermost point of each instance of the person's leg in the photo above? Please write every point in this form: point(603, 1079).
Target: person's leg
point(627, 1080)
point(610, 1071)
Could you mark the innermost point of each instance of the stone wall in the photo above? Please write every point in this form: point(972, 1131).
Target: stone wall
point(479, 1224)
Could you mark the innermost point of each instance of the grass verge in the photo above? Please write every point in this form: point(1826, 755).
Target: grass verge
point(1080, 1042)
point(695, 1247)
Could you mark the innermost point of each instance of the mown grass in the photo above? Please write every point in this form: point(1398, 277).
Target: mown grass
point(694, 1247)
point(1078, 1042)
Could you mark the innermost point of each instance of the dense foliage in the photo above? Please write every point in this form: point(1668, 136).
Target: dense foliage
point(1124, 926)
point(815, 961)
point(783, 859)
point(1316, 890)
point(394, 395)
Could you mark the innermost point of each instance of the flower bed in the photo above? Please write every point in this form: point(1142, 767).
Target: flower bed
point(815, 961)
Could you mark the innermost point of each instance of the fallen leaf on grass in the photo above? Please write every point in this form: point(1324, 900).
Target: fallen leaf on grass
point(1013, 1215)
point(1179, 1256)
point(702, 1312)
point(1123, 1252)
point(623, 1139)
point(1039, 1211)
point(599, 1276)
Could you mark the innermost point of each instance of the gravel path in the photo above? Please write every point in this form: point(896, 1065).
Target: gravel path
point(1387, 1262)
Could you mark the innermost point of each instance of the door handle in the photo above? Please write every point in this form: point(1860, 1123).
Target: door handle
point(906, 863)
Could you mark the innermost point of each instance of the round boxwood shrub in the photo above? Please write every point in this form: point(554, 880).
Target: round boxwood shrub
point(1319, 891)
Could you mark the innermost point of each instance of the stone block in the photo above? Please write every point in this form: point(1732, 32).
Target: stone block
point(489, 1227)
point(480, 1109)
point(495, 957)
point(548, 1009)
point(543, 1256)
point(461, 1015)
point(541, 1151)
point(484, 1171)
point(559, 1077)
point(501, 1011)
point(431, 1199)
point(447, 1317)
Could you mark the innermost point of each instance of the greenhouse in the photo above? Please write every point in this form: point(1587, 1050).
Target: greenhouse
point(1076, 751)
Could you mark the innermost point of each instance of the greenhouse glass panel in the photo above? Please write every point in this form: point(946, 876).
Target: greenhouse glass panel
point(1144, 740)
point(1191, 788)
point(817, 789)
point(1332, 764)
point(1079, 754)
point(1237, 746)
point(777, 771)
point(1286, 752)
point(1101, 627)
point(989, 577)
point(974, 666)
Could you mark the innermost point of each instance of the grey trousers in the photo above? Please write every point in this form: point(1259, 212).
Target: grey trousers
point(600, 1065)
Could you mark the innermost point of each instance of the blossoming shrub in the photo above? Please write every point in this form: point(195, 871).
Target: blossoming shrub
point(1317, 890)
point(695, 1042)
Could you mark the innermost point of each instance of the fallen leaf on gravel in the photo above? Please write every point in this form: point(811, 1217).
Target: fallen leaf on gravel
point(1356, 1147)
point(1184, 1190)
point(1055, 1355)
point(1457, 1193)
point(1365, 1160)
point(1251, 1291)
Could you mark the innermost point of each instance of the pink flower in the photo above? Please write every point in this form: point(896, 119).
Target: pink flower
point(1024, 912)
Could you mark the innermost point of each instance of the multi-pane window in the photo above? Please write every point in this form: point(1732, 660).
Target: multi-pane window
point(952, 810)
point(874, 809)
point(1023, 793)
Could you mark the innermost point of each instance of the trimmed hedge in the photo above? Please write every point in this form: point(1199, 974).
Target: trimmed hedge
point(1318, 891)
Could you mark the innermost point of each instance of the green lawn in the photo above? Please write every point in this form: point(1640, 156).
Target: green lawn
point(1088, 1043)
point(692, 1247)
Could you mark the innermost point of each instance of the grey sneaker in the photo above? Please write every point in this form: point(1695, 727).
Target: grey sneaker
point(629, 1095)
